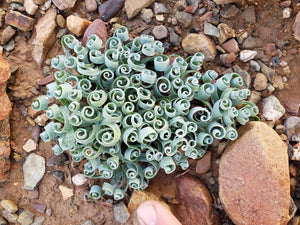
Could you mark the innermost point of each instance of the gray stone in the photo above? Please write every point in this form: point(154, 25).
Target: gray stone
point(59, 175)
point(7, 34)
point(159, 8)
point(34, 170)
point(121, 213)
point(184, 18)
point(91, 5)
point(26, 218)
point(272, 108)
point(202, 11)
point(146, 15)
point(10, 217)
point(88, 222)
point(62, 32)
point(255, 65)
point(211, 30)
point(10, 46)
point(15, 6)
point(175, 39)
point(160, 32)
point(245, 76)
point(38, 220)
point(56, 160)
point(267, 71)
point(180, 5)
point(292, 126)
point(247, 55)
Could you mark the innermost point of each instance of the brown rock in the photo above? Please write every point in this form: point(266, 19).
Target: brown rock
point(200, 43)
point(203, 165)
point(47, 80)
point(227, 59)
point(65, 192)
point(260, 82)
point(64, 4)
point(196, 202)
point(231, 46)
point(30, 7)
point(189, 9)
point(253, 174)
point(77, 25)
point(19, 21)
point(133, 7)
point(271, 49)
point(296, 27)
point(7, 34)
point(60, 20)
point(97, 27)
point(45, 36)
point(91, 5)
point(39, 2)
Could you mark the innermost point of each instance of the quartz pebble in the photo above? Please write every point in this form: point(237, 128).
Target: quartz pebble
point(9, 206)
point(66, 192)
point(286, 13)
point(79, 179)
point(64, 4)
point(272, 108)
point(41, 119)
point(29, 146)
point(38, 220)
point(133, 7)
point(247, 55)
point(34, 169)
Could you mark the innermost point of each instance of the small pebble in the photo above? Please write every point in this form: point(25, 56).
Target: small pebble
point(60, 20)
point(29, 146)
point(147, 15)
point(159, 8)
point(9, 46)
point(49, 211)
point(79, 179)
point(26, 218)
point(39, 207)
point(33, 194)
point(91, 5)
point(66, 192)
point(160, 32)
point(2, 221)
point(41, 119)
point(275, 61)
point(160, 17)
point(254, 65)
point(202, 11)
point(59, 175)
point(9, 206)
point(10, 217)
point(260, 82)
point(286, 13)
point(38, 220)
point(47, 5)
point(121, 213)
point(88, 222)
point(247, 55)
point(62, 32)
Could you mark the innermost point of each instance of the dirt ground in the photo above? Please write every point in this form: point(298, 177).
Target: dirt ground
point(270, 27)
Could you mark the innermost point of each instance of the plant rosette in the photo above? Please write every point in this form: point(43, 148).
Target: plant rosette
point(129, 111)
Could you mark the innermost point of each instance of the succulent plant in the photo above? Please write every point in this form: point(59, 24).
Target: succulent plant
point(132, 110)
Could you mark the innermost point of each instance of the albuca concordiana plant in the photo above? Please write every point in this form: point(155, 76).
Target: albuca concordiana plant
point(131, 111)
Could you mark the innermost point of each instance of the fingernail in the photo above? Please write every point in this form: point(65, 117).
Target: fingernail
point(146, 214)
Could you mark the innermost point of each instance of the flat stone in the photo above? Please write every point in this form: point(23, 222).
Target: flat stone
point(296, 27)
point(253, 174)
point(121, 213)
point(38, 220)
point(247, 55)
point(184, 18)
point(33, 194)
point(29, 146)
point(160, 32)
point(91, 5)
point(211, 30)
point(260, 82)
point(79, 179)
point(270, 73)
point(147, 15)
point(77, 25)
point(20, 21)
point(26, 218)
point(30, 7)
point(9, 46)
point(97, 27)
point(133, 7)
point(9, 206)
point(195, 207)
point(66, 192)
point(34, 170)
point(174, 38)
point(231, 46)
point(10, 217)
point(109, 9)
point(229, 11)
point(292, 126)
point(64, 4)
point(203, 165)
point(200, 43)
point(46, 31)
point(252, 42)
point(7, 34)
point(272, 108)
point(39, 207)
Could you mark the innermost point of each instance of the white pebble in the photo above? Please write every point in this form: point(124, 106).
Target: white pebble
point(79, 179)
point(286, 13)
point(29, 146)
point(247, 55)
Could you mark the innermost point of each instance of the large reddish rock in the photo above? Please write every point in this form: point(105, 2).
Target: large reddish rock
point(254, 183)
point(20, 21)
point(196, 202)
point(45, 36)
point(97, 27)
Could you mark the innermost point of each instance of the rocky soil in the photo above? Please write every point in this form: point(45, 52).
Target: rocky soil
point(254, 180)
